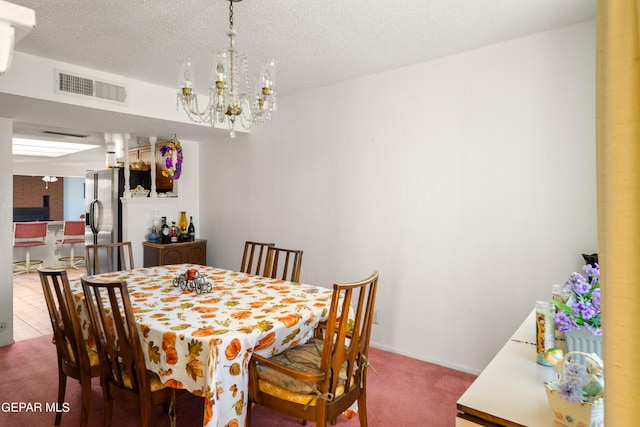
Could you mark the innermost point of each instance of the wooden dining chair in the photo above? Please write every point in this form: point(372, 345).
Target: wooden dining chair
point(108, 257)
point(321, 379)
point(124, 376)
point(75, 359)
point(254, 251)
point(283, 264)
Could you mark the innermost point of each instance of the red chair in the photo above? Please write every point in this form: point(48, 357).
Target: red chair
point(28, 235)
point(72, 233)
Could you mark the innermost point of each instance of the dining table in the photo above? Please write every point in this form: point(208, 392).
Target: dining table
point(201, 340)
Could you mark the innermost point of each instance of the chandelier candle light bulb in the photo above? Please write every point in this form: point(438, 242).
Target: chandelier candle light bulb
point(229, 93)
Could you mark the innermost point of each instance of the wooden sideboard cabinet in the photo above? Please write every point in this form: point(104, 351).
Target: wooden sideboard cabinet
point(175, 253)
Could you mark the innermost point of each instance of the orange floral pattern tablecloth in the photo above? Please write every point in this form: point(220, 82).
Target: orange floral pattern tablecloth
point(203, 342)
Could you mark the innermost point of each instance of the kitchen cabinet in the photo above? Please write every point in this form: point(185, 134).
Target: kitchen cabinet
point(175, 253)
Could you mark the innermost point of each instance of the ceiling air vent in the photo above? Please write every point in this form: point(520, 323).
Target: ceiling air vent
point(72, 84)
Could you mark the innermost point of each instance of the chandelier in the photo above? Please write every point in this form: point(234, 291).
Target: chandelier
point(230, 96)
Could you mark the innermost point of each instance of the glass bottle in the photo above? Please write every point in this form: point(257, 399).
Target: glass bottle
point(153, 236)
point(165, 236)
point(174, 232)
point(545, 330)
point(192, 230)
point(183, 223)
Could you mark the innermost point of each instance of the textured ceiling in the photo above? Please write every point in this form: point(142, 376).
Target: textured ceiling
point(316, 43)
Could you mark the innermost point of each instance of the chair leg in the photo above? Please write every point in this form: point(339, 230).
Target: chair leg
point(62, 386)
point(172, 408)
point(85, 384)
point(27, 259)
point(247, 419)
point(321, 413)
point(108, 405)
point(26, 265)
point(362, 408)
point(145, 414)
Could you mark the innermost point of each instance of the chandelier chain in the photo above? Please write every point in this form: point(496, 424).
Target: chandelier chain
point(231, 14)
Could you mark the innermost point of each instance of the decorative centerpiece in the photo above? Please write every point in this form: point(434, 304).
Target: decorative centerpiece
point(576, 398)
point(168, 150)
point(192, 281)
point(139, 191)
point(579, 317)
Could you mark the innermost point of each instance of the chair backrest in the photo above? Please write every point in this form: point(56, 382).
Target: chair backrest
point(254, 251)
point(32, 232)
point(100, 258)
point(117, 340)
point(72, 232)
point(67, 332)
point(283, 264)
point(346, 338)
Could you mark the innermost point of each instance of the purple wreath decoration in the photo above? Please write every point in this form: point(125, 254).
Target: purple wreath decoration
point(167, 152)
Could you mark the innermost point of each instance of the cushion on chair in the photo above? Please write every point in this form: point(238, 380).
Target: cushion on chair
point(94, 360)
point(300, 398)
point(307, 358)
point(155, 383)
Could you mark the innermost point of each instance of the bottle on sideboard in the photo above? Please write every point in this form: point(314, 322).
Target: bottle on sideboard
point(153, 236)
point(165, 233)
point(174, 232)
point(183, 223)
point(192, 230)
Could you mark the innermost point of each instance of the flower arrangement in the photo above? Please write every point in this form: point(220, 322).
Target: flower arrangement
point(583, 305)
point(167, 152)
point(580, 383)
point(576, 398)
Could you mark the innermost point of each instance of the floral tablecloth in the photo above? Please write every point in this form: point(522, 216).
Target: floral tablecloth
point(203, 342)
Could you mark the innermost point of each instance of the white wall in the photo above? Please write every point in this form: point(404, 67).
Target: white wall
point(6, 236)
point(468, 182)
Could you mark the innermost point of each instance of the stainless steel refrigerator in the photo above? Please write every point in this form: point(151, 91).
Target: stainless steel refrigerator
point(103, 217)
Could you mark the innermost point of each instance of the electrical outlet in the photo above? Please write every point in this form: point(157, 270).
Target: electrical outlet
point(3, 326)
point(376, 317)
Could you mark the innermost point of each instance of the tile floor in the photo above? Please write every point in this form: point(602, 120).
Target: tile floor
point(30, 315)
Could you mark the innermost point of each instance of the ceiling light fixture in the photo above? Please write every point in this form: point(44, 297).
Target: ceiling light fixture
point(42, 148)
point(47, 179)
point(230, 98)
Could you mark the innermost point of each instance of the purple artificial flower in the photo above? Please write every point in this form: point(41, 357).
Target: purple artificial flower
point(595, 331)
point(576, 373)
point(578, 283)
point(596, 298)
point(564, 322)
point(584, 309)
point(570, 392)
point(593, 272)
point(583, 305)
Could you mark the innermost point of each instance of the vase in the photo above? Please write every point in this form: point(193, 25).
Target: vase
point(183, 222)
point(581, 339)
